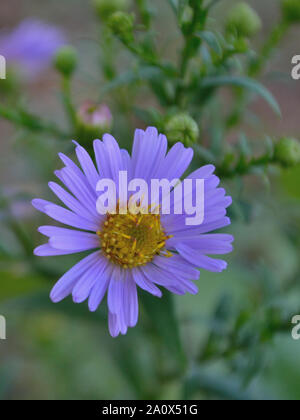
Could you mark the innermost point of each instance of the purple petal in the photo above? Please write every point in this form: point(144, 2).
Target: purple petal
point(73, 204)
point(113, 325)
point(176, 223)
point(71, 165)
point(100, 287)
point(131, 307)
point(115, 291)
point(188, 233)
point(166, 279)
point(103, 164)
point(144, 283)
point(46, 250)
point(65, 284)
point(114, 156)
point(78, 188)
point(176, 162)
point(82, 241)
point(202, 173)
point(87, 166)
point(68, 218)
point(151, 145)
point(84, 286)
point(177, 266)
point(200, 260)
point(40, 204)
point(127, 163)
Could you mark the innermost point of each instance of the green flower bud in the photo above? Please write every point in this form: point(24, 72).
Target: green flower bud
point(287, 152)
point(243, 21)
point(182, 128)
point(65, 60)
point(105, 8)
point(122, 25)
point(291, 10)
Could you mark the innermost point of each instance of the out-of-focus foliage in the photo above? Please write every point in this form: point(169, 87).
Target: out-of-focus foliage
point(177, 65)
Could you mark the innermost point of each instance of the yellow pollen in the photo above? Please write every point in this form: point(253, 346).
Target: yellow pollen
point(133, 240)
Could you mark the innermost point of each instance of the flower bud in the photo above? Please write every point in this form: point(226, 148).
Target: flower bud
point(105, 8)
point(65, 60)
point(243, 21)
point(182, 128)
point(122, 25)
point(291, 10)
point(93, 120)
point(287, 152)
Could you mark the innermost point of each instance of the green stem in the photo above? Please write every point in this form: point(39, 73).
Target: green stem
point(67, 102)
point(144, 12)
point(31, 122)
point(16, 228)
point(188, 49)
point(243, 167)
point(274, 39)
point(254, 70)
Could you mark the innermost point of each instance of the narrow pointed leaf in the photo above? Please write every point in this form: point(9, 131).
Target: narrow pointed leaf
point(244, 82)
point(163, 320)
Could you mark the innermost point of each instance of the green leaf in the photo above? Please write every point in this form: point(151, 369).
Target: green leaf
point(40, 301)
point(133, 76)
point(211, 40)
point(130, 364)
point(178, 6)
point(8, 374)
point(174, 5)
point(16, 284)
point(150, 116)
point(214, 386)
point(244, 82)
point(163, 320)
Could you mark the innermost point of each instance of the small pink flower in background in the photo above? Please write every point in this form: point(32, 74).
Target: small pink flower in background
point(95, 115)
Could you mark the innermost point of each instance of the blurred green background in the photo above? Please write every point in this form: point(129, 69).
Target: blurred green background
point(64, 352)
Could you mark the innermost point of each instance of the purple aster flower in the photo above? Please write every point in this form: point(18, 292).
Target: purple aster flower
point(31, 46)
point(145, 250)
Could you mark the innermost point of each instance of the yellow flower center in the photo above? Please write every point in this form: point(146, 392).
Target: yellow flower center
point(133, 240)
